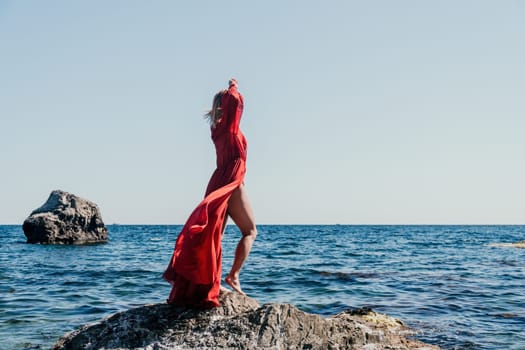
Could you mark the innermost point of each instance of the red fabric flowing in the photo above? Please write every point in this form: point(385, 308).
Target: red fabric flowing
point(195, 267)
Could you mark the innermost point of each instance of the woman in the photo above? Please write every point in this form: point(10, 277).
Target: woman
point(195, 267)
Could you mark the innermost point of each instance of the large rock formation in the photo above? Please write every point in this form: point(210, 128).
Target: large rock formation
point(65, 219)
point(240, 323)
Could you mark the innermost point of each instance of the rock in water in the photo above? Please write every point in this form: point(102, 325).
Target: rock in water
point(65, 219)
point(240, 323)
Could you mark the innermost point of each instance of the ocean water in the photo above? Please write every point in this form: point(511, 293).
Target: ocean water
point(447, 282)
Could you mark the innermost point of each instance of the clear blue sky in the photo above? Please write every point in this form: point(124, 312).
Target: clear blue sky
point(357, 112)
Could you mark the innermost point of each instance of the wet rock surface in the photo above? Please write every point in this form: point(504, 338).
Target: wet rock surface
point(241, 323)
point(65, 219)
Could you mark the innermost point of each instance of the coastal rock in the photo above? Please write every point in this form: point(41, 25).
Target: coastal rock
point(240, 323)
point(65, 219)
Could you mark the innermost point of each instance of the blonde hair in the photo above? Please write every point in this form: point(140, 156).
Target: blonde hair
point(215, 113)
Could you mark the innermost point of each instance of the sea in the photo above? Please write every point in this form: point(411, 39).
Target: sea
point(451, 284)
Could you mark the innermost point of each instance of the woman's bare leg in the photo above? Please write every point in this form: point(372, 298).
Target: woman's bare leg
point(241, 212)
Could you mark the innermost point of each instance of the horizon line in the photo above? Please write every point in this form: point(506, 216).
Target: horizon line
point(316, 224)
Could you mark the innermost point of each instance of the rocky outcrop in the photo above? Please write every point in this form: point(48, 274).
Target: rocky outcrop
point(65, 219)
point(240, 323)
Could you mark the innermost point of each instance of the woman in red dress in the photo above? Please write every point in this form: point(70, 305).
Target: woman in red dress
point(195, 267)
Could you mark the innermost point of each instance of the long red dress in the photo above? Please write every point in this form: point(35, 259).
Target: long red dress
point(195, 267)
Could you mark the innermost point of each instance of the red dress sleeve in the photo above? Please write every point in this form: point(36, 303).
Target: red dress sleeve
point(232, 107)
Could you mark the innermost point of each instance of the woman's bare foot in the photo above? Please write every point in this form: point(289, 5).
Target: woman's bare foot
point(234, 283)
